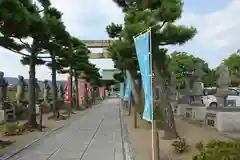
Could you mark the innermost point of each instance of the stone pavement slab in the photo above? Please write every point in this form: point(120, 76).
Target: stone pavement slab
point(96, 135)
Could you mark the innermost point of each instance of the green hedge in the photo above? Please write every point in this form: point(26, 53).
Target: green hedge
point(220, 150)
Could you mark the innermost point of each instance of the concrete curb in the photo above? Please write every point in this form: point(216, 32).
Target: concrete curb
point(127, 149)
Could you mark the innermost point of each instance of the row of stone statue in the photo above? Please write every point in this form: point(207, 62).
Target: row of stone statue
point(20, 93)
point(222, 75)
point(195, 86)
point(223, 82)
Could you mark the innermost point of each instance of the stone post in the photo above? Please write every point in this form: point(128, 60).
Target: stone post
point(197, 85)
point(20, 94)
point(223, 82)
point(3, 90)
point(46, 92)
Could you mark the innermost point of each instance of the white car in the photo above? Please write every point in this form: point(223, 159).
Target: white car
point(211, 100)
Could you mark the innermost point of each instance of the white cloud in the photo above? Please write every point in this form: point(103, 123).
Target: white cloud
point(218, 33)
point(79, 14)
point(81, 18)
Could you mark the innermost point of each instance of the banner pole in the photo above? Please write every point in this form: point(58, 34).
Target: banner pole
point(145, 30)
point(155, 137)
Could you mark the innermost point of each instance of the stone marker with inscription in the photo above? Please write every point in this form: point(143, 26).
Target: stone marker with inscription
point(223, 117)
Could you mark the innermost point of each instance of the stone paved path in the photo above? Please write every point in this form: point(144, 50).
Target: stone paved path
point(96, 135)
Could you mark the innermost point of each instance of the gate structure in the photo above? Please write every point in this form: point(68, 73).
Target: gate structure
point(98, 44)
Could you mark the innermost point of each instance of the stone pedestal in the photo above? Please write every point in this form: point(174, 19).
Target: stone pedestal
point(195, 97)
point(221, 96)
point(7, 115)
point(2, 115)
point(224, 119)
point(195, 112)
point(222, 101)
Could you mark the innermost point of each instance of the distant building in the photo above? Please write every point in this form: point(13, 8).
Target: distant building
point(107, 74)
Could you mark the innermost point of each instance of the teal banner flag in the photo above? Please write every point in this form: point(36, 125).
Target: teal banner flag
point(142, 45)
point(128, 89)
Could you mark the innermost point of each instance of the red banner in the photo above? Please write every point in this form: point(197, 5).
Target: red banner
point(67, 91)
point(81, 88)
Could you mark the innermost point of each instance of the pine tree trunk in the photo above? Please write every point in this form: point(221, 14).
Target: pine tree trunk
point(54, 87)
point(77, 93)
point(169, 122)
point(71, 90)
point(32, 101)
point(136, 95)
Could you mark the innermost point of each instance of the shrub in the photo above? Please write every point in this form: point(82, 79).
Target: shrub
point(19, 109)
point(180, 145)
point(220, 150)
point(2, 122)
point(11, 129)
point(200, 145)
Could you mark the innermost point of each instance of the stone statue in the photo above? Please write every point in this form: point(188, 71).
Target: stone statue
point(223, 76)
point(61, 92)
point(46, 91)
point(37, 89)
point(3, 90)
point(20, 95)
point(197, 85)
point(223, 82)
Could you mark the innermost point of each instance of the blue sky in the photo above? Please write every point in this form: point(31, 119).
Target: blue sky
point(216, 21)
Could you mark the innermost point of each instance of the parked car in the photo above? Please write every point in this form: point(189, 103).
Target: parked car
point(210, 100)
